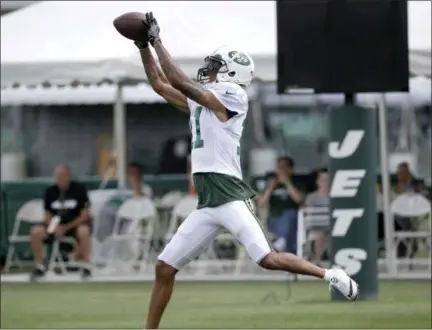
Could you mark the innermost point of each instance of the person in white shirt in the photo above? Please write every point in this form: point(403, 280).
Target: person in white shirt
point(135, 181)
point(317, 214)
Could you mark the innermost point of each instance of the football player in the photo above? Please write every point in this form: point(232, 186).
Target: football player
point(217, 105)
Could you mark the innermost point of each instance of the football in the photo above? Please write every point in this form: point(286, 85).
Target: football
point(130, 25)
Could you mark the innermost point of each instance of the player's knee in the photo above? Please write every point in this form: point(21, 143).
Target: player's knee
point(270, 261)
point(83, 232)
point(37, 233)
point(164, 272)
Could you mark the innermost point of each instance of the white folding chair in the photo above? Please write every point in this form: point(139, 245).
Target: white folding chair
point(98, 198)
point(140, 213)
point(181, 211)
point(417, 208)
point(165, 206)
point(57, 261)
point(32, 212)
point(170, 199)
point(410, 205)
point(306, 217)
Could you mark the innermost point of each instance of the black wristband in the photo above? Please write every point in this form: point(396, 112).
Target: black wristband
point(141, 45)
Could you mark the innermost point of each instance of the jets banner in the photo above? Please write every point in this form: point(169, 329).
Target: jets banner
point(352, 163)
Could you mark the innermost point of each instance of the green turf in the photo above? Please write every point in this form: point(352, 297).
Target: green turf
point(403, 304)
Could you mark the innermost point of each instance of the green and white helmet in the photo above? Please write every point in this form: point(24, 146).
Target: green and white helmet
point(230, 65)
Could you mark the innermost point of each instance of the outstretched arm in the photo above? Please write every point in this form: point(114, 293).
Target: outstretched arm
point(180, 81)
point(160, 83)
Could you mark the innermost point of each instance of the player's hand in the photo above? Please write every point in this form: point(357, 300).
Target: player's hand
point(153, 28)
point(142, 42)
point(283, 178)
point(272, 184)
point(60, 231)
point(261, 201)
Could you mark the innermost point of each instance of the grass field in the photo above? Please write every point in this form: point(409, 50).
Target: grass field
point(402, 304)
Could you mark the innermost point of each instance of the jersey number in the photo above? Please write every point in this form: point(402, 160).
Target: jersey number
point(198, 143)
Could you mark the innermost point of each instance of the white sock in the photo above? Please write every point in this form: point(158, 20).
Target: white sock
point(327, 275)
point(40, 267)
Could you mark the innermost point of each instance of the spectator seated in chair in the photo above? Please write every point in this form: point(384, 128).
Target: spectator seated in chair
point(406, 183)
point(317, 214)
point(67, 214)
point(135, 181)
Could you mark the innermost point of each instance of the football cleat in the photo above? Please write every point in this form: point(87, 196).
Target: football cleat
point(340, 280)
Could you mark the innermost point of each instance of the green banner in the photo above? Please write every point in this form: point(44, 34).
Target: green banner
point(352, 154)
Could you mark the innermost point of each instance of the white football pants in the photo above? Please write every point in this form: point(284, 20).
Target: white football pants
point(202, 226)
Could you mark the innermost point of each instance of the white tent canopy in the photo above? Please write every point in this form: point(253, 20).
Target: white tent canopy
point(64, 42)
point(75, 41)
point(67, 95)
point(420, 93)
